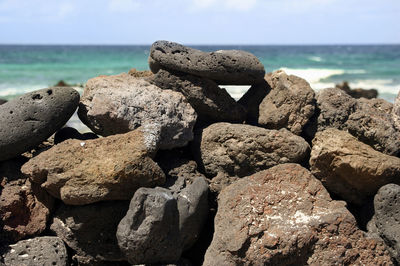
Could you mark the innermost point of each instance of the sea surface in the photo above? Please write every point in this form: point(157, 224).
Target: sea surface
point(24, 68)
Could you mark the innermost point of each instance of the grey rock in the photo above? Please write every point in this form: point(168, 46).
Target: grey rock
point(118, 104)
point(46, 250)
point(387, 217)
point(350, 168)
point(2, 101)
point(149, 233)
point(358, 92)
point(28, 120)
point(224, 67)
point(396, 112)
point(210, 102)
point(290, 103)
point(240, 150)
point(90, 230)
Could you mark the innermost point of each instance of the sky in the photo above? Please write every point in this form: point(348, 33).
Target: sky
point(253, 22)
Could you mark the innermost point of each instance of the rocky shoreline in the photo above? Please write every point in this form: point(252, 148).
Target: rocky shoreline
point(177, 172)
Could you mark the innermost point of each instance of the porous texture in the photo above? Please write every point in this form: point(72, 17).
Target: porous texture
point(118, 104)
point(110, 168)
point(396, 112)
point(89, 230)
point(240, 150)
point(149, 233)
point(289, 104)
point(229, 67)
point(350, 168)
point(30, 119)
point(46, 250)
point(284, 216)
point(210, 102)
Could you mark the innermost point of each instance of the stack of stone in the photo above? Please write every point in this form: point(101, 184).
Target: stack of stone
point(140, 193)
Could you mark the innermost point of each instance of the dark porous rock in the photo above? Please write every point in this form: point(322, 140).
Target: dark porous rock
point(290, 103)
point(2, 101)
point(28, 120)
point(396, 112)
point(71, 133)
point(210, 102)
point(350, 168)
point(90, 230)
point(45, 250)
point(253, 97)
point(149, 233)
point(24, 209)
point(357, 93)
point(228, 67)
point(111, 168)
point(386, 220)
point(140, 74)
point(284, 216)
point(121, 103)
point(240, 150)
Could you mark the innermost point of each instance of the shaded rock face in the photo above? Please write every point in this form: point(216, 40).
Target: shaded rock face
point(290, 103)
point(210, 102)
point(396, 112)
point(357, 93)
point(350, 168)
point(110, 168)
point(386, 219)
point(228, 67)
point(2, 101)
point(28, 120)
point(284, 216)
point(90, 230)
point(368, 120)
point(240, 150)
point(118, 104)
point(149, 233)
point(46, 250)
point(24, 209)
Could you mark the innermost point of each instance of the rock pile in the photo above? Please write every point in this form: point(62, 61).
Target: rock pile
point(183, 174)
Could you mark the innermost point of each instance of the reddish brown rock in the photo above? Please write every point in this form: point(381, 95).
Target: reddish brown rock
point(284, 216)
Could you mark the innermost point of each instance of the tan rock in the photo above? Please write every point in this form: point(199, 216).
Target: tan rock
point(110, 168)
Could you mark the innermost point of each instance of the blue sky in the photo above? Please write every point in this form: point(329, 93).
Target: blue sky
point(200, 21)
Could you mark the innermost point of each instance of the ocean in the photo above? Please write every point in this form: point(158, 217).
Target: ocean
point(24, 68)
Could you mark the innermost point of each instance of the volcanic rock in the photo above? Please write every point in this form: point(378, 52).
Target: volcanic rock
point(2, 101)
point(350, 168)
point(284, 216)
point(357, 93)
point(228, 67)
point(110, 168)
point(396, 112)
point(28, 120)
point(118, 104)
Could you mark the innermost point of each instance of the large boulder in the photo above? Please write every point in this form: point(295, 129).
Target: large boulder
point(396, 112)
point(386, 220)
point(284, 216)
point(46, 250)
point(290, 103)
point(110, 168)
point(241, 150)
point(210, 102)
point(118, 104)
point(28, 120)
point(350, 168)
point(229, 67)
point(89, 230)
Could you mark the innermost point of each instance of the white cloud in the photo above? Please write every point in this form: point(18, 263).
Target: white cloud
point(123, 6)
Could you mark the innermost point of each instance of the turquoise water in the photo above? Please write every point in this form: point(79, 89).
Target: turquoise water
point(26, 68)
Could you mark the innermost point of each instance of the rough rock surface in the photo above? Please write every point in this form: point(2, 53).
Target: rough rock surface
point(140, 74)
point(284, 216)
point(210, 102)
point(350, 168)
point(118, 104)
point(28, 120)
point(290, 103)
point(46, 250)
point(386, 219)
point(240, 150)
point(396, 112)
point(224, 67)
point(149, 233)
point(368, 120)
point(24, 209)
point(110, 168)
point(90, 230)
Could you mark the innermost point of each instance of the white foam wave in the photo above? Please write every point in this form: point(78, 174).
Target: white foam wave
point(315, 58)
point(313, 75)
point(13, 91)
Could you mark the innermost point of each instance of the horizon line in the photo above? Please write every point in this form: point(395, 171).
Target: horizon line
point(202, 44)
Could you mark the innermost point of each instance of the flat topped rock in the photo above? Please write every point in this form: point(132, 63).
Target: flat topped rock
point(30, 119)
point(229, 67)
